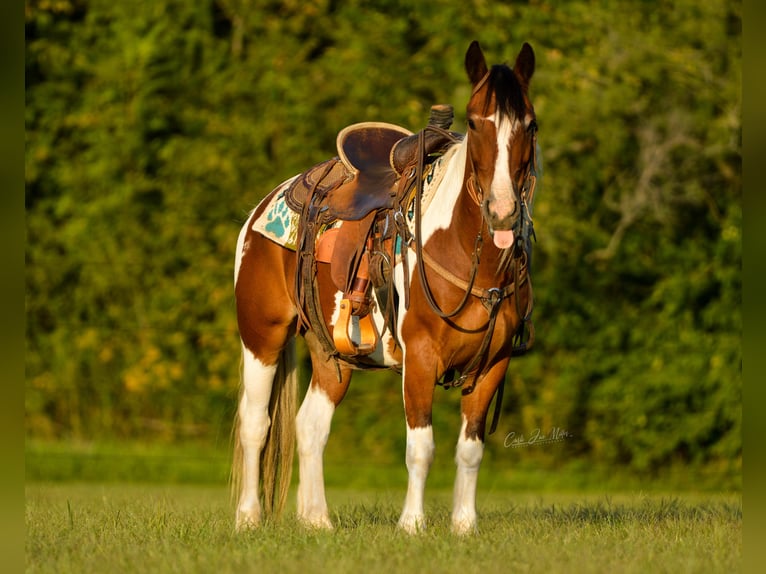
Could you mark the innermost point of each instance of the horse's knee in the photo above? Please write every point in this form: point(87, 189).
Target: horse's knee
point(469, 452)
point(420, 446)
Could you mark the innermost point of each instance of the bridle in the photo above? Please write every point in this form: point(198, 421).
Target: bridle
point(492, 296)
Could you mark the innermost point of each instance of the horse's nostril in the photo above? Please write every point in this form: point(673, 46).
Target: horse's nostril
point(501, 212)
point(499, 218)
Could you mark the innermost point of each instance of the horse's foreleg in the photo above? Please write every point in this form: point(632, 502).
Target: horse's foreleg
point(420, 455)
point(313, 430)
point(254, 423)
point(468, 455)
point(418, 400)
point(470, 448)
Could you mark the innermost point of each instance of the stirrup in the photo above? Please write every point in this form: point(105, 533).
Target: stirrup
point(344, 344)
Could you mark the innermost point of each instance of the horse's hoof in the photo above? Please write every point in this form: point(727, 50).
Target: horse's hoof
point(247, 521)
point(464, 528)
point(316, 522)
point(412, 524)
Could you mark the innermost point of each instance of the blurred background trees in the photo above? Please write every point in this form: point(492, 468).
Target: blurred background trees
point(154, 127)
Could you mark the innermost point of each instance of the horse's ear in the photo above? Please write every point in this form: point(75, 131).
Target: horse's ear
point(525, 64)
point(475, 64)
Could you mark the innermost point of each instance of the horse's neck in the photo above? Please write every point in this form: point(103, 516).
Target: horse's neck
point(453, 209)
point(450, 175)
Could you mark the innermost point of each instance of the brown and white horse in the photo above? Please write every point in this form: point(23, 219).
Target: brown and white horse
point(479, 205)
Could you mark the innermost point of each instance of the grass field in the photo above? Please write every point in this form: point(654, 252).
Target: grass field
point(113, 527)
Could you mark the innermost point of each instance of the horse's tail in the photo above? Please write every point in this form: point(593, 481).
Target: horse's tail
point(277, 455)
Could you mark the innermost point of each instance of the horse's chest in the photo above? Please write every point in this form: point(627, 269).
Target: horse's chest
point(456, 341)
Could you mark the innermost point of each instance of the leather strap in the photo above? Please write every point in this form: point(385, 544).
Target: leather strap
point(479, 85)
point(479, 292)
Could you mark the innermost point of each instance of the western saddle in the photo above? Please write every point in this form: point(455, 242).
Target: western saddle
point(345, 203)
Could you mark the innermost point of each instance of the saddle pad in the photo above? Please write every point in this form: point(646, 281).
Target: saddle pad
point(278, 222)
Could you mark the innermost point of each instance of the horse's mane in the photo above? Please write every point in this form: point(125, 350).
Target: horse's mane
point(448, 177)
point(509, 96)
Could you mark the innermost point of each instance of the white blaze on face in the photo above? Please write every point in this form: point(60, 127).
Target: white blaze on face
point(501, 196)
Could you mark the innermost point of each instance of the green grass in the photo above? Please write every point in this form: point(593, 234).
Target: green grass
point(113, 527)
point(132, 507)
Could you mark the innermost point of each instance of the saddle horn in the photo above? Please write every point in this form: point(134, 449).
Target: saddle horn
point(405, 151)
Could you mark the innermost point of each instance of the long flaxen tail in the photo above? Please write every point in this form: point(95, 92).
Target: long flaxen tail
point(277, 454)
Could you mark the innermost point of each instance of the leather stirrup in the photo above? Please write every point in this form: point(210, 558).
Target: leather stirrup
point(367, 330)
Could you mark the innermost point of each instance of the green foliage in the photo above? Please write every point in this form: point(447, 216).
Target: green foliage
point(639, 283)
point(152, 129)
point(125, 461)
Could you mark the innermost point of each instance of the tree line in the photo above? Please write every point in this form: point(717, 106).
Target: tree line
point(153, 128)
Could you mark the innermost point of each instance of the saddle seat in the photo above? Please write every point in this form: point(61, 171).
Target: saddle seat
point(377, 155)
point(372, 157)
point(365, 150)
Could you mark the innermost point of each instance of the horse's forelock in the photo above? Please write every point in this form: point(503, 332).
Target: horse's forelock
point(509, 96)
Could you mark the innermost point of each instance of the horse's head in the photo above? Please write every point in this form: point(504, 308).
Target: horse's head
point(501, 140)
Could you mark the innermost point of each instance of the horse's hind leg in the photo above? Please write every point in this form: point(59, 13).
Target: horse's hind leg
point(313, 429)
point(266, 320)
point(253, 412)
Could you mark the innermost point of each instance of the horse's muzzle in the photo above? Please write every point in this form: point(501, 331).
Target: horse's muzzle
point(502, 220)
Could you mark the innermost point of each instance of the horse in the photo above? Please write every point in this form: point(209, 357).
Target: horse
point(461, 294)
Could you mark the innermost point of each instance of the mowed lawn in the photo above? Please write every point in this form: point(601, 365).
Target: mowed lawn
point(186, 528)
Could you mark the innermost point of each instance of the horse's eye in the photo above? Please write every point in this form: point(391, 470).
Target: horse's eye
point(471, 124)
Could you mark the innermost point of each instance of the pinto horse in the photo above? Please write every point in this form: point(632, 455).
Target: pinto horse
point(468, 255)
